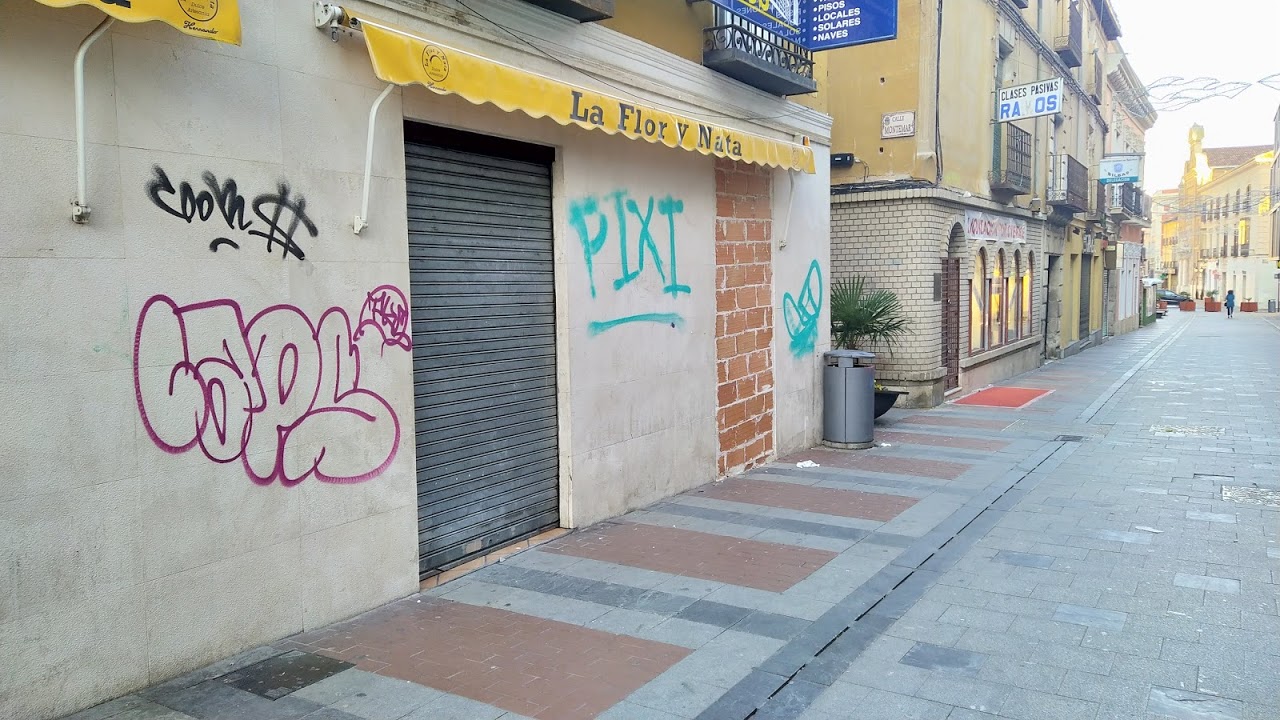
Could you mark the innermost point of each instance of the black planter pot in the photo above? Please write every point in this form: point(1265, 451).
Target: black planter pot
point(885, 400)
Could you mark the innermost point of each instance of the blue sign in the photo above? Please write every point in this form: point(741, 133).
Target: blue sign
point(831, 24)
point(821, 24)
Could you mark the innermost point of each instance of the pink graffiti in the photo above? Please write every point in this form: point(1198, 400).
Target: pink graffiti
point(386, 310)
point(280, 394)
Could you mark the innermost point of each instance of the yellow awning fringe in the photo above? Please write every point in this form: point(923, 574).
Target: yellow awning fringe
point(213, 19)
point(402, 58)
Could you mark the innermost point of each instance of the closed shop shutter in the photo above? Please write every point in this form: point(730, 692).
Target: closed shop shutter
point(481, 271)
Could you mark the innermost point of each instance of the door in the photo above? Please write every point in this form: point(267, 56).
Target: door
point(481, 275)
point(951, 321)
point(1086, 275)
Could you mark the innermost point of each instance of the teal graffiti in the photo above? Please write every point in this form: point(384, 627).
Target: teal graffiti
point(801, 316)
point(672, 319)
point(632, 226)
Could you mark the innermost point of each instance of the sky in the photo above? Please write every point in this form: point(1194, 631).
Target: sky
point(1226, 40)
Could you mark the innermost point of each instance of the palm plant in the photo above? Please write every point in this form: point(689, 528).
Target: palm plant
point(860, 316)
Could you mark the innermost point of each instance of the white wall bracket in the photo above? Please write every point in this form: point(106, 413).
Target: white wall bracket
point(80, 206)
point(362, 220)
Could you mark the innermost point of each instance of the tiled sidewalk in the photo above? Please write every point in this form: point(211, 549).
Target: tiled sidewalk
point(989, 562)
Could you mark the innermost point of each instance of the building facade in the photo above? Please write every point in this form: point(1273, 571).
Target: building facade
point(1225, 210)
point(993, 232)
point(381, 290)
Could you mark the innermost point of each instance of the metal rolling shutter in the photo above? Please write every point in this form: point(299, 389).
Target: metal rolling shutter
point(483, 312)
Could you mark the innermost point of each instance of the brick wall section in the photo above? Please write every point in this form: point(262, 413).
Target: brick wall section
point(744, 315)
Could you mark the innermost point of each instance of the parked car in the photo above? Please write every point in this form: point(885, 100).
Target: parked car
point(1171, 297)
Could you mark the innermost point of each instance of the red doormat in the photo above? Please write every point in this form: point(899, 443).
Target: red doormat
point(1004, 397)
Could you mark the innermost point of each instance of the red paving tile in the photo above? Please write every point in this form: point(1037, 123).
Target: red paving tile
point(859, 460)
point(845, 503)
point(523, 664)
point(947, 441)
point(1004, 397)
point(960, 422)
point(748, 563)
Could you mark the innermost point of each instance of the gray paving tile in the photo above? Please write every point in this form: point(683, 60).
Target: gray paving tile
point(454, 707)
point(1025, 674)
point(1211, 517)
point(1185, 705)
point(883, 705)
point(1091, 617)
point(1025, 559)
point(130, 707)
point(630, 711)
point(779, 627)
point(1246, 687)
point(368, 695)
point(884, 675)
point(1205, 582)
point(945, 659)
point(1032, 705)
point(976, 618)
point(215, 700)
point(964, 692)
point(837, 700)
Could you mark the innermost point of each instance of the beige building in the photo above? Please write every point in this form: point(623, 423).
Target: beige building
point(993, 232)
point(1225, 207)
point(273, 375)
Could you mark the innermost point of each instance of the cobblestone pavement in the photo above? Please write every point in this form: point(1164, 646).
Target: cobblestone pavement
point(1108, 551)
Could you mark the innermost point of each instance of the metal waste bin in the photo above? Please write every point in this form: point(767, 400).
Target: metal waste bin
point(1271, 306)
point(848, 399)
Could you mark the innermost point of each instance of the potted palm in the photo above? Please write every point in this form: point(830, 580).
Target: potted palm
point(865, 319)
point(1211, 303)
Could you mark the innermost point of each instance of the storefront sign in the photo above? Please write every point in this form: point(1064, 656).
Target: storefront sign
point(985, 226)
point(402, 58)
point(898, 124)
point(1119, 169)
point(1030, 100)
point(821, 24)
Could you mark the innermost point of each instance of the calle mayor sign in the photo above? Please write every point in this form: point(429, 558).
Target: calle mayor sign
point(821, 24)
point(1030, 100)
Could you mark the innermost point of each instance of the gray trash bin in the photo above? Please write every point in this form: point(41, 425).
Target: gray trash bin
point(848, 399)
point(1271, 306)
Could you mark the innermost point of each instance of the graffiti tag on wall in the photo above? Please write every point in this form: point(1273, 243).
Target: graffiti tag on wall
point(801, 314)
point(279, 214)
point(630, 224)
point(280, 393)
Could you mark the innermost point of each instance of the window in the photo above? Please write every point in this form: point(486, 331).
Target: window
point(1015, 298)
point(1028, 289)
point(978, 291)
point(1237, 201)
point(1248, 199)
point(999, 328)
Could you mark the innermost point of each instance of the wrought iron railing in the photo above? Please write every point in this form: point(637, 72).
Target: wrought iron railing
point(1069, 184)
point(1011, 161)
point(733, 32)
point(1069, 39)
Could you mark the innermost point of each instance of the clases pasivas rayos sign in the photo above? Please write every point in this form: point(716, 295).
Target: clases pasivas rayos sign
point(821, 24)
point(1043, 97)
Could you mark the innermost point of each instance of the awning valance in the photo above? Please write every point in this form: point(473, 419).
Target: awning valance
point(404, 58)
point(213, 19)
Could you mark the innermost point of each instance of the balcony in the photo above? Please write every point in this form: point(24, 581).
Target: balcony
point(1126, 203)
point(1068, 41)
point(762, 59)
point(580, 10)
point(1024, 4)
point(1068, 184)
point(1011, 161)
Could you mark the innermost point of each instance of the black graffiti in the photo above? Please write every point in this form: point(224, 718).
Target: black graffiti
point(280, 213)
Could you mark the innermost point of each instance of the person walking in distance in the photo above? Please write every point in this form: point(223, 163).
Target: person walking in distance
point(1230, 302)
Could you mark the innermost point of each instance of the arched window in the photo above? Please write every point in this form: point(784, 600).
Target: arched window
point(1028, 289)
point(1015, 298)
point(978, 294)
point(999, 295)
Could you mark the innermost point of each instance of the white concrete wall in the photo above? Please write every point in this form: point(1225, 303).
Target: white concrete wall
point(135, 543)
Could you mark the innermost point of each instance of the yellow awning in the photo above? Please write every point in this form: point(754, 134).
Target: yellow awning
point(403, 58)
point(213, 19)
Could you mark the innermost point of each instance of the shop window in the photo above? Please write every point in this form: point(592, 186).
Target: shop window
point(1028, 287)
point(978, 295)
point(997, 304)
point(1015, 298)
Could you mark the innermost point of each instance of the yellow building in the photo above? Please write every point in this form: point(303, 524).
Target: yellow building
point(928, 181)
point(1225, 202)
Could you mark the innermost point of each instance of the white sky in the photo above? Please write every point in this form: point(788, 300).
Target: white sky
point(1224, 39)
